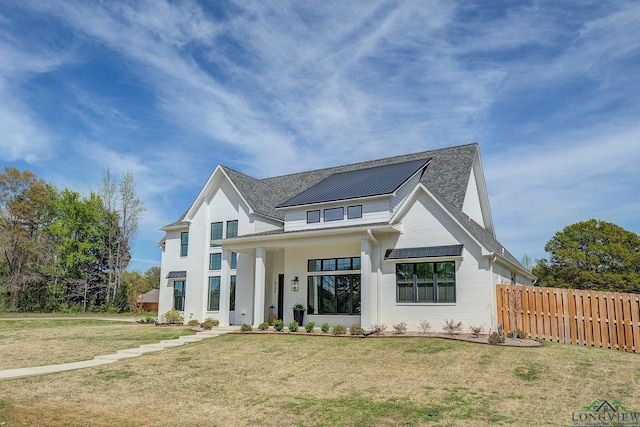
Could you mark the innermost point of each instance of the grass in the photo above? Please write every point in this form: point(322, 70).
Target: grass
point(285, 380)
point(44, 342)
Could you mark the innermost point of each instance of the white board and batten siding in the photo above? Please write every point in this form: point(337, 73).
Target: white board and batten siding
point(374, 210)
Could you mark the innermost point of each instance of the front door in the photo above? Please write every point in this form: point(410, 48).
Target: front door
point(281, 296)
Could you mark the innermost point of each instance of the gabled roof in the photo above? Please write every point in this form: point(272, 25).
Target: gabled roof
point(446, 175)
point(367, 182)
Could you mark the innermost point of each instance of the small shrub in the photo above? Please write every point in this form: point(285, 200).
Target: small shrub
point(209, 323)
point(476, 330)
point(379, 328)
point(518, 333)
point(278, 325)
point(450, 327)
point(339, 330)
point(298, 307)
point(496, 338)
point(400, 328)
point(245, 327)
point(193, 322)
point(309, 326)
point(424, 326)
point(325, 327)
point(263, 326)
point(172, 317)
point(293, 326)
point(356, 329)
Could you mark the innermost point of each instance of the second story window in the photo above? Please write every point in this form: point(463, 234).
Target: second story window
point(354, 212)
point(232, 229)
point(216, 232)
point(234, 260)
point(313, 216)
point(184, 243)
point(334, 214)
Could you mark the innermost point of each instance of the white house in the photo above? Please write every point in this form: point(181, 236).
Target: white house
point(404, 238)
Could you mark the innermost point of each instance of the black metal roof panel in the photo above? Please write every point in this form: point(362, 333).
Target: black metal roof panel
point(177, 275)
point(425, 252)
point(374, 181)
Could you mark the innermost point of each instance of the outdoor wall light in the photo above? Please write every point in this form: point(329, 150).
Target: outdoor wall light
point(294, 283)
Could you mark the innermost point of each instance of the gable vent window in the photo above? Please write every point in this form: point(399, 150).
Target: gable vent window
point(334, 214)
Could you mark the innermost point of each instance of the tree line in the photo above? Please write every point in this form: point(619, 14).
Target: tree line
point(63, 251)
point(591, 255)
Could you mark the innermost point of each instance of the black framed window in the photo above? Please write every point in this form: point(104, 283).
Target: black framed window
point(216, 232)
point(184, 243)
point(215, 261)
point(214, 293)
point(334, 214)
point(232, 229)
point(333, 264)
point(334, 294)
point(426, 282)
point(179, 289)
point(313, 216)
point(354, 212)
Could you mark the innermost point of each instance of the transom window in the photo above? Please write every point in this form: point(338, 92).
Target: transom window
point(178, 294)
point(184, 243)
point(334, 214)
point(426, 282)
point(332, 264)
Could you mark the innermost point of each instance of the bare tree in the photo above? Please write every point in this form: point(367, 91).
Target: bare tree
point(131, 208)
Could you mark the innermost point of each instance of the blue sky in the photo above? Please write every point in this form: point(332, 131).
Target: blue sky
point(168, 90)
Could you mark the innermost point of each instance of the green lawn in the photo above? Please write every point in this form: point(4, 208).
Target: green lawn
point(287, 380)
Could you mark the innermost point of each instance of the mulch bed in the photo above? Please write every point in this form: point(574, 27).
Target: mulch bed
point(482, 339)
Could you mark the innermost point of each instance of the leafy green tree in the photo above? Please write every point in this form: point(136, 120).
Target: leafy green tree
point(594, 255)
point(25, 211)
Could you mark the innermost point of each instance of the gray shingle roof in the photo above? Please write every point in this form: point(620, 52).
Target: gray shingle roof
point(373, 181)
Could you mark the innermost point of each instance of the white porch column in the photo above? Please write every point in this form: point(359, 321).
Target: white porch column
point(259, 287)
point(225, 288)
point(367, 309)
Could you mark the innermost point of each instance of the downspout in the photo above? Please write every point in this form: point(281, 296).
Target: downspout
point(378, 274)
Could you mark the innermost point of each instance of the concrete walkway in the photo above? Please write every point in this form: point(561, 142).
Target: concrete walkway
point(115, 357)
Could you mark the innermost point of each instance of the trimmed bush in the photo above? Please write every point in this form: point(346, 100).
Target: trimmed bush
point(209, 323)
point(518, 333)
point(356, 329)
point(172, 317)
point(309, 326)
point(293, 326)
point(193, 322)
point(246, 327)
point(339, 330)
point(325, 327)
point(263, 326)
point(496, 338)
point(278, 325)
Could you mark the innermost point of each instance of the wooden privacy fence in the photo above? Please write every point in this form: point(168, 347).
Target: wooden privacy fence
point(599, 319)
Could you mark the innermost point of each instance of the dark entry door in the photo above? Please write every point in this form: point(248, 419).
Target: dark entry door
point(280, 296)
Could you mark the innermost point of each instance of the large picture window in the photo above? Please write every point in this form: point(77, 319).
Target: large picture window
point(214, 293)
point(334, 294)
point(426, 282)
point(184, 243)
point(178, 294)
